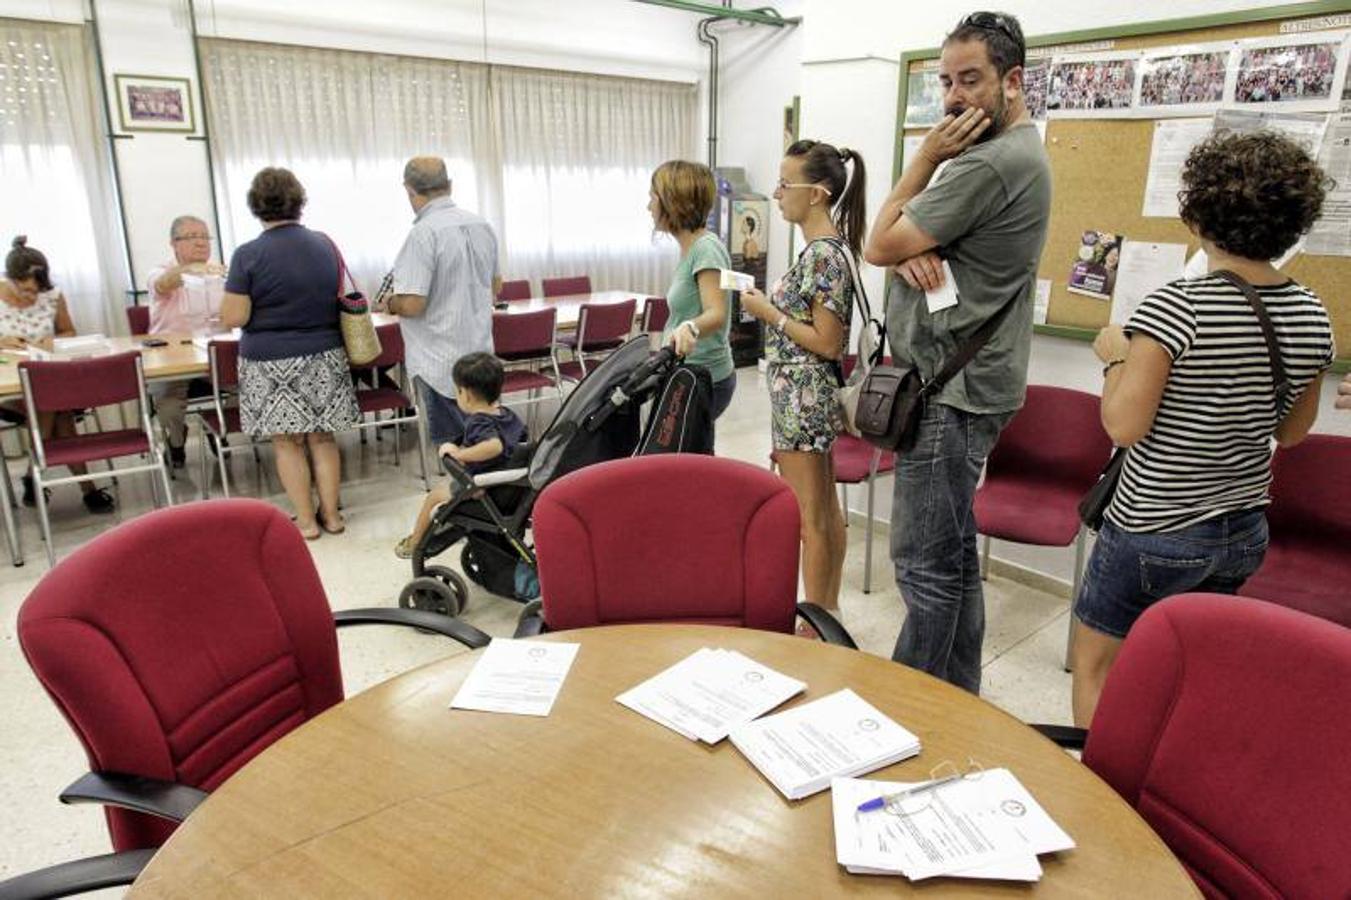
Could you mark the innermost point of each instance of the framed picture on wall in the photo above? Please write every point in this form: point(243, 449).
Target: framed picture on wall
point(154, 103)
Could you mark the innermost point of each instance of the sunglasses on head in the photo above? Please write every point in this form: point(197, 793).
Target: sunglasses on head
point(990, 22)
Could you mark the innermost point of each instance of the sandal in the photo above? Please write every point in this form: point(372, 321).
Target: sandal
point(99, 502)
point(310, 534)
point(404, 548)
point(339, 529)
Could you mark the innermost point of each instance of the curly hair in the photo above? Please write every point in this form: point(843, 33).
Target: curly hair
point(1251, 194)
point(276, 195)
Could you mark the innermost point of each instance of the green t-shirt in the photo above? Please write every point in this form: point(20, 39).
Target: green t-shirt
point(988, 210)
point(712, 351)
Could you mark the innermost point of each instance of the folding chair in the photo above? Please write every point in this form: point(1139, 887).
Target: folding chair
point(565, 287)
point(515, 290)
point(524, 342)
point(601, 327)
point(221, 418)
point(380, 399)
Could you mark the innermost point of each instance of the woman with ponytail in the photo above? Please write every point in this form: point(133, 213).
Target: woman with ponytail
point(820, 190)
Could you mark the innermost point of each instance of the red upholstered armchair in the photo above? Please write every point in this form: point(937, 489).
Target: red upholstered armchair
point(179, 646)
point(1224, 722)
point(670, 538)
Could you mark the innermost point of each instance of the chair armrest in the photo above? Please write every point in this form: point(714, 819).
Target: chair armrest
point(826, 625)
point(449, 626)
point(166, 799)
point(1066, 736)
point(77, 877)
point(531, 623)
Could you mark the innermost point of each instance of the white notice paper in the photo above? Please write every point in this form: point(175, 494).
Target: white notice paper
point(946, 295)
point(519, 677)
point(1000, 830)
point(1173, 142)
point(1143, 269)
point(841, 734)
point(710, 692)
point(1331, 234)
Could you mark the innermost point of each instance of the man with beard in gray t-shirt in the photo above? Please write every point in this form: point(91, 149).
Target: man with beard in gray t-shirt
point(985, 215)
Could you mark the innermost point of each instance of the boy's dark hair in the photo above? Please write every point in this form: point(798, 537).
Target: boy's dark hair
point(1000, 32)
point(481, 374)
point(1251, 194)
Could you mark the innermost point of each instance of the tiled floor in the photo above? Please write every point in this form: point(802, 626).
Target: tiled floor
point(39, 755)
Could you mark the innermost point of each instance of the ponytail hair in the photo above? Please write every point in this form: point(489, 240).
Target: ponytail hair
point(24, 262)
point(824, 164)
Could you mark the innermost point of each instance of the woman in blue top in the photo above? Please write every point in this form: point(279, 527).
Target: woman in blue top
point(808, 313)
point(682, 196)
point(294, 382)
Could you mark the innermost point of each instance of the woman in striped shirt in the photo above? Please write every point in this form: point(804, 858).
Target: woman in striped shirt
point(1189, 390)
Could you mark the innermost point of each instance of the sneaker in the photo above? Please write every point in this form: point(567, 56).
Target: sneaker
point(178, 456)
point(404, 548)
point(99, 502)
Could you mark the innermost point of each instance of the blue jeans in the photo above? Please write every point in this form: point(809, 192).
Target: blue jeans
point(722, 396)
point(445, 422)
point(1129, 571)
point(933, 543)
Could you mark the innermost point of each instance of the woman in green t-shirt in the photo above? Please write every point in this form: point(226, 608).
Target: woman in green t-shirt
point(681, 198)
point(807, 314)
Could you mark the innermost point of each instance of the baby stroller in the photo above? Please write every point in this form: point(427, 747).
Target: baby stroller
point(600, 420)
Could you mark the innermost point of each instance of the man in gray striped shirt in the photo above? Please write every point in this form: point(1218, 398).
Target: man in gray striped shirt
point(445, 279)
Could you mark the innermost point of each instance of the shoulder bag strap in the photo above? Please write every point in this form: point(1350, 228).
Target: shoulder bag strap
point(1280, 384)
point(344, 275)
point(967, 350)
point(861, 296)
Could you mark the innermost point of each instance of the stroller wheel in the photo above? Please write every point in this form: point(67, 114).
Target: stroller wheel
point(450, 578)
point(434, 595)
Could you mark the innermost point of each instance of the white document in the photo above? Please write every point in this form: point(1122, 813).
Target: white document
point(1331, 234)
point(996, 805)
point(1173, 142)
point(840, 735)
point(731, 280)
point(1305, 129)
point(519, 677)
point(710, 692)
point(1143, 269)
point(945, 296)
point(1042, 304)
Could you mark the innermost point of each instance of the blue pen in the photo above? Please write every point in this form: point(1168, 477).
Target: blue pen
point(887, 799)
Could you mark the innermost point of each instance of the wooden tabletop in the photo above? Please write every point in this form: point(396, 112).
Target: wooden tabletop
point(182, 359)
point(392, 794)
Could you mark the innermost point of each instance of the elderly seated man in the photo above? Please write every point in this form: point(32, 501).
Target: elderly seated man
point(185, 299)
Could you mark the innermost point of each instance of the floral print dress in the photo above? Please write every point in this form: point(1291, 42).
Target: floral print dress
point(804, 389)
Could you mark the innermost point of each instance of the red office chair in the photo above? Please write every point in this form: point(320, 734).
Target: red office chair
point(1046, 459)
point(524, 342)
point(1308, 563)
point(179, 646)
point(565, 287)
point(515, 290)
point(80, 384)
point(138, 319)
point(656, 313)
point(1224, 723)
point(670, 538)
point(220, 419)
point(383, 399)
point(601, 327)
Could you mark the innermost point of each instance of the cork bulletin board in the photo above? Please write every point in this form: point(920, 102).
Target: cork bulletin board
point(1100, 166)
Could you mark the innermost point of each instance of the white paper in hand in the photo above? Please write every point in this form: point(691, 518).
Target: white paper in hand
point(946, 295)
point(519, 677)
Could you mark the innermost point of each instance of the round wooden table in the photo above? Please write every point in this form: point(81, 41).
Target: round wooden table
point(392, 794)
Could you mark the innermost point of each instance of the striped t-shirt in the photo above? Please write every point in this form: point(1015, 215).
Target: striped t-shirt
point(1208, 452)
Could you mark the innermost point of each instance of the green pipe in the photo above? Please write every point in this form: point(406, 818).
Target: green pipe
point(763, 16)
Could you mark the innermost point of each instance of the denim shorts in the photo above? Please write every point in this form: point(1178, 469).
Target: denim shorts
point(1130, 571)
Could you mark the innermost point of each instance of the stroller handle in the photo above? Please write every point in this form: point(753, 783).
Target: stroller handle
point(640, 382)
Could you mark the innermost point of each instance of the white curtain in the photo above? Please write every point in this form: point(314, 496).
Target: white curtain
point(55, 182)
point(577, 158)
point(558, 163)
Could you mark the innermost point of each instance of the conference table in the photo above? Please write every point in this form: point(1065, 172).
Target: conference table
point(393, 794)
point(182, 358)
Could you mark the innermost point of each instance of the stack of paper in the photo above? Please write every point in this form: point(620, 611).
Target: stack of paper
point(520, 677)
point(707, 694)
point(983, 827)
point(840, 735)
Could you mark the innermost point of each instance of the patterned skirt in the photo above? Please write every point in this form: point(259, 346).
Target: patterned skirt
point(297, 394)
point(804, 401)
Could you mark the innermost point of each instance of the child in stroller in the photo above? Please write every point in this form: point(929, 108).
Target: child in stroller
point(491, 433)
point(599, 420)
